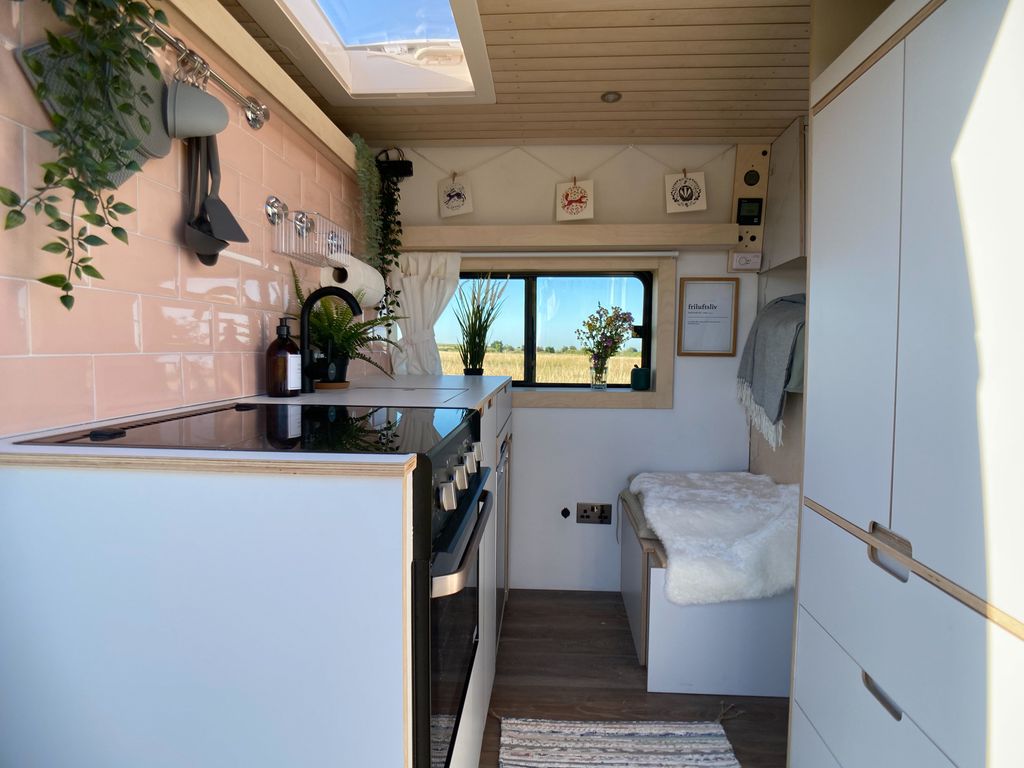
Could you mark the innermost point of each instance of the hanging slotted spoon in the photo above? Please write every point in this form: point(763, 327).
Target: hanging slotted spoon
point(223, 223)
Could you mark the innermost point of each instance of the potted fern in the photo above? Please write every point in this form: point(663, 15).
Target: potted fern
point(476, 311)
point(340, 338)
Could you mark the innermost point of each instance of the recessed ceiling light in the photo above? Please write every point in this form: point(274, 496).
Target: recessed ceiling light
point(610, 97)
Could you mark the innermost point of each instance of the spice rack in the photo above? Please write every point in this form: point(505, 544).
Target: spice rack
point(308, 236)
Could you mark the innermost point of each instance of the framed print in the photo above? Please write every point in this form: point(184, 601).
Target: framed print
point(707, 315)
point(454, 197)
point(574, 201)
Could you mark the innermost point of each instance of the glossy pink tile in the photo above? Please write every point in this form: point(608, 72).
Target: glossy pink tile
point(168, 170)
point(42, 392)
point(212, 377)
point(17, 100)
point(130, 384)
point(143, 265)
point(252, 251)
point(298, 153)
point(10, 24)
point(314, 197)
point(20, 254)
point(161, 212)
point(252, 198)
point(218, 283)
point(102, 321)
point(229, 188)
point(343, 215)
point(12, 170)
point(271, 135)
point(254, 372)
point(282, 178)
point(238, 330)
point(14, 317)
point(262, 288)
point(329, 177)
point(241, 150)
point(176, 326)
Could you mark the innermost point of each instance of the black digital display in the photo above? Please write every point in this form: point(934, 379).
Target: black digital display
point(748, 211)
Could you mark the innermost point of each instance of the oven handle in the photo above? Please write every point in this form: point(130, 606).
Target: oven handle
point(451, 583)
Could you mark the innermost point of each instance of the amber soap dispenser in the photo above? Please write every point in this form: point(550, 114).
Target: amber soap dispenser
point(284, 365)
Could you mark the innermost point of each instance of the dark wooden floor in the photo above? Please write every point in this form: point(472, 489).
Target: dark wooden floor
point(569, 656)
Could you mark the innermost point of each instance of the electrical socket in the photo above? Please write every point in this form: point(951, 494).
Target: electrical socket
point(590, 512)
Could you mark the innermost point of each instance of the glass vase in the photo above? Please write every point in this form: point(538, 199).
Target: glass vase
point(599, 377)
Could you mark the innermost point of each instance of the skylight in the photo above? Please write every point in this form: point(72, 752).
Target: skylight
point(379, 51)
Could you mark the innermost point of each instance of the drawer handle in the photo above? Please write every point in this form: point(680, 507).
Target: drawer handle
point(884, 559)
point(881, 697)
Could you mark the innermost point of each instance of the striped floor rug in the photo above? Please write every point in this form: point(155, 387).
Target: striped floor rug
point(529, 743)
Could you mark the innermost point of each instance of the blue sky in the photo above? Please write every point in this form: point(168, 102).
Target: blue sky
point(360, 22)
point(560, 312)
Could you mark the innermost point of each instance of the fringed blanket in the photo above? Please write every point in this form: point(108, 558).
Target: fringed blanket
point(766, 362)
point(728, 535)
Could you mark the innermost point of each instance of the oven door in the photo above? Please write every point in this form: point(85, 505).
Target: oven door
point(454, 633)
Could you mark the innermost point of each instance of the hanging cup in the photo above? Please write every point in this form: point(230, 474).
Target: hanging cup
point(190, 112)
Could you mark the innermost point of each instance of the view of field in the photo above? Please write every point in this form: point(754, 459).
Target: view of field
point(561, 367)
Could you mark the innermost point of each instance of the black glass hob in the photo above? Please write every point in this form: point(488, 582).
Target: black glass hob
point(279, 427)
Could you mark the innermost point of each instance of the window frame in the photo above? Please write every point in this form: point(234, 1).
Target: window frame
point(663, 353)
point(530, 277)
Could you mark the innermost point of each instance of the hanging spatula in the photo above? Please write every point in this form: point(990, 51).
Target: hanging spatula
point(223, 223)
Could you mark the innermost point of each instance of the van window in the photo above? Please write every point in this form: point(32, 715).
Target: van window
point(534, 337)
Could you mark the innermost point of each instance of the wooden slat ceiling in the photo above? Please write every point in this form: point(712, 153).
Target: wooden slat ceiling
point(690, 71)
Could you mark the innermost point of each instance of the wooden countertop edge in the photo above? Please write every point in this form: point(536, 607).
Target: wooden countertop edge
point(206, 465)
point(999, 617)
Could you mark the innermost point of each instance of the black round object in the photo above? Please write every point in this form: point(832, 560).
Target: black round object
point(750, 178)
point(566, 512)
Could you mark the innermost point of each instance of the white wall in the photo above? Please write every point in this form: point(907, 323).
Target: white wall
point(568, 455)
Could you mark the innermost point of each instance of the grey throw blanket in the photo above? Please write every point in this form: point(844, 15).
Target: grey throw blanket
point(765, 364)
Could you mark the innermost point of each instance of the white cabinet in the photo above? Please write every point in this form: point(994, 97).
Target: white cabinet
point(942, 448)
point(853, 282)
point(914, 411)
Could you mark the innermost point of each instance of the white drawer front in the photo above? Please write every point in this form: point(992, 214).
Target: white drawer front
point(806, 749)
point(503, 404)
point(830, 689)
point(960, 676)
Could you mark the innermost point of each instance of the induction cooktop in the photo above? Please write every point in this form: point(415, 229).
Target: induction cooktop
point(272, 427)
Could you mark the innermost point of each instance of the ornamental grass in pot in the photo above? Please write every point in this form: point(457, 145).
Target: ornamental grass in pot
point(476, 310)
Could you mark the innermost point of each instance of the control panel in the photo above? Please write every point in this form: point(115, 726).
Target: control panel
point(750, 189)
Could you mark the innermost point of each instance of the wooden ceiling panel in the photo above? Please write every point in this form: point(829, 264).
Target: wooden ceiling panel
point(689, 71)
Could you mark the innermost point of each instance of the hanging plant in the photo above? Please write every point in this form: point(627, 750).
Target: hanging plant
point(382, 226)
point(106, 43)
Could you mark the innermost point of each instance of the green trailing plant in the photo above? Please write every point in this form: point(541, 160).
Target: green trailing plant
point(106, 43)
point(476, 311)
point(382, 225)
point(335, 332)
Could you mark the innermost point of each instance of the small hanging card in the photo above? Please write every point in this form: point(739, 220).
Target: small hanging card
point(454, 197)
point(685, 192)
point(574, 200)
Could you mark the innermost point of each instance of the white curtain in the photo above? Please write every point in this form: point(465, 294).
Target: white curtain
point(427, 282)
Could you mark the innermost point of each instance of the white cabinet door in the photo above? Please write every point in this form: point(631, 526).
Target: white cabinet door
point(959, 410)
point(853, 283)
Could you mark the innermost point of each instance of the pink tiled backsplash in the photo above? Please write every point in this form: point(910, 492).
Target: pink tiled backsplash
point(161, 330)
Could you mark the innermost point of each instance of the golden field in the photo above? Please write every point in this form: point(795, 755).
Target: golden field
point(560, 367)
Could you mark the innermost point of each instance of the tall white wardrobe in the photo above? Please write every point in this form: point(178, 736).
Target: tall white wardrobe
point(910, 641)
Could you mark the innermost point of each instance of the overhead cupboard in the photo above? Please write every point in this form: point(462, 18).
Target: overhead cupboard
point(910, 641)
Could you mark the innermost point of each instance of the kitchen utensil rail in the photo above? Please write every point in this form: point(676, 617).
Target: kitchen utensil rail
point(257, 114)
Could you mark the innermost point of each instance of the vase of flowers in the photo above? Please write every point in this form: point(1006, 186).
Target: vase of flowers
point(476, 310)
point(602, 335)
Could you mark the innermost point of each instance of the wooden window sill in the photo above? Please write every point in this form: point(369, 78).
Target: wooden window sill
point(549, 397)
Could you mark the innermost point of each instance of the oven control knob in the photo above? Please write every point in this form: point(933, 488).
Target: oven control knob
point(448, 499)
point(460, 477)
point(469, 462)
point(478, 451)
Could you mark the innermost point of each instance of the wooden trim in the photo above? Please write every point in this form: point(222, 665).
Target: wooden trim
point(663, 358)
point(209, 22)
point(192, 464)
point(895, 39)
point(971, 600)
point(544, 237)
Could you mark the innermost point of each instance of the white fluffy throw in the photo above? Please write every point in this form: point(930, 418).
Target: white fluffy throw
point(728, 535)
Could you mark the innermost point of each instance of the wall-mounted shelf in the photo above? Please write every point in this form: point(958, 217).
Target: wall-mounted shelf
point(567, 237)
